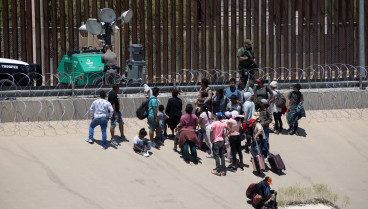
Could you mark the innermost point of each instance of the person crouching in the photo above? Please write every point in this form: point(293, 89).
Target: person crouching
point(141, 144)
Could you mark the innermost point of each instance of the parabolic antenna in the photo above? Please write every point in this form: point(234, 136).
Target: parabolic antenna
point(107, 15)
point(93, 26)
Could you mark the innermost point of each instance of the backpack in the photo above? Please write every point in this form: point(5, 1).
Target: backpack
point(280, 100)
point(249, 191)
point(142, 111)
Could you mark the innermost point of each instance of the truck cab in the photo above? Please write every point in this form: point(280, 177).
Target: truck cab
point(19, 73)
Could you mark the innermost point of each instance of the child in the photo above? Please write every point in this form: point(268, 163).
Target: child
point(217, 138)
point(295, 104)
point(161, 121)
point(233, 105)
point(176, 139)
point(141, 144)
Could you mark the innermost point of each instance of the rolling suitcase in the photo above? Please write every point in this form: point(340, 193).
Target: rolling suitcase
point(258, 162)
point(276, 163)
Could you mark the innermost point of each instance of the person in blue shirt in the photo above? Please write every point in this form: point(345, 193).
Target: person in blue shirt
point(231, 90)
point(152, 115)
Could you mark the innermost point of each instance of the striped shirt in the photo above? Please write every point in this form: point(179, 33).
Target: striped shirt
point(101, 108)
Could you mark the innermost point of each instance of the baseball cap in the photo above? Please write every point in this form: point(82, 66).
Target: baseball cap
point(268, 180)
point(251, 121)
point(264, 101)
point(228, 114)
point(235, 114)
point(219, 115)
point(260, 80)
point(273, 84)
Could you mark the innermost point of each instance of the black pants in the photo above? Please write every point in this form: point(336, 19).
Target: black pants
point(246, 73)
point(235, 145)
point(218, 152)
point(249, 135)
point(278, 121)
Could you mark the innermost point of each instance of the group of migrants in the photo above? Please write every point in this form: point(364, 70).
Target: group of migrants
point(217, 123)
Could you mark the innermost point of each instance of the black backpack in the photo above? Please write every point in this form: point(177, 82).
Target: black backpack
point(280, 100)
point(142, 111)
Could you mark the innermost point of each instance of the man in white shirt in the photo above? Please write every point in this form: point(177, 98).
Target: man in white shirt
point(101, 111)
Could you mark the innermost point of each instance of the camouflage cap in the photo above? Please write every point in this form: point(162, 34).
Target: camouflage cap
point(248, 41)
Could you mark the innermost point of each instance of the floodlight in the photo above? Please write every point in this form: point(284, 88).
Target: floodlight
point(126, 16)
point(107, 15)
point(93, 26)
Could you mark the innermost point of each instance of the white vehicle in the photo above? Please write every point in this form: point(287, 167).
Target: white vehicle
point(19, 73)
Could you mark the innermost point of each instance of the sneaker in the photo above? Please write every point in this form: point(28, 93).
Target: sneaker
point(209, 156)
point(124, 139)
point(147, 154)
point(143, 154)
point(214, 172)
point(103, 147)
point(276, 132)
point(291, 132)
point(89, 140)
point(114, 142)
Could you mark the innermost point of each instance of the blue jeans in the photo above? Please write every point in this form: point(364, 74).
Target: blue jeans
point(295, 126)
point(193, 150)
point(218, 152)
point(142, 143)
point(101, 122)
point(264, 147)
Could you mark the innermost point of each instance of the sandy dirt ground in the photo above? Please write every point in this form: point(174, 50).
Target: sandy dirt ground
point(318, 206)
point(51, 166)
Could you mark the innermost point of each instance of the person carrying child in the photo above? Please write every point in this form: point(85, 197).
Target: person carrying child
point(205, 121)
point(233, 105)
point(141, 144)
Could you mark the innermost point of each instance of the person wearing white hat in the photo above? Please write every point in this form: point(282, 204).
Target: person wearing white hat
point(276, 110)
point(235, 139)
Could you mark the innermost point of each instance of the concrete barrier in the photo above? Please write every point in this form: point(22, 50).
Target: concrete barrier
point(77, 108)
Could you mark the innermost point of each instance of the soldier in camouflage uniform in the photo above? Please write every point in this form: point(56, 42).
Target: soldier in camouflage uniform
point(247, 60)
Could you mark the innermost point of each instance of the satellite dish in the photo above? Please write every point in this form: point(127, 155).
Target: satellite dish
point(126, 16)
point(107, 15)
point(93, 26)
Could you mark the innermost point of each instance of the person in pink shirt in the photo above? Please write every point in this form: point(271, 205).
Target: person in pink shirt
point(235, 140)
point(217, 138)
point(188, 137)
